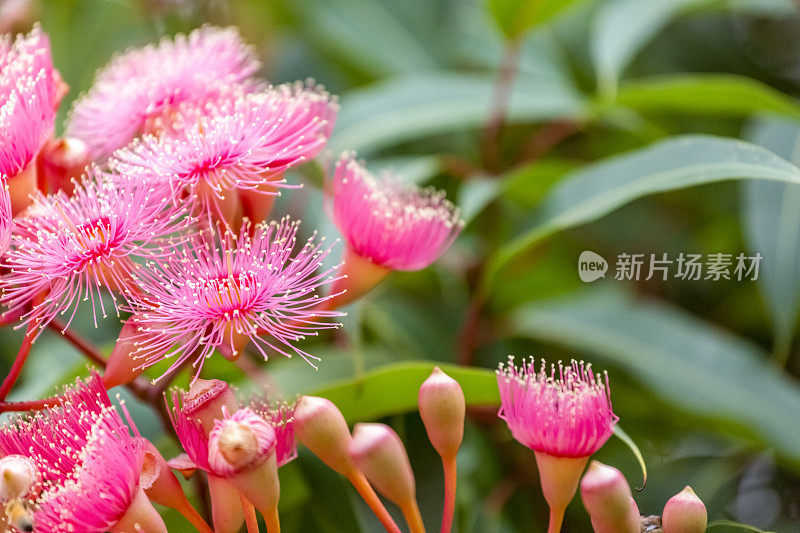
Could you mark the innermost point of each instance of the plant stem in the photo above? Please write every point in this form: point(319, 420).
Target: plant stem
point(413, 517)
point(366, 491)
point(556, 518)
point(272, 521)
point(250, 518)
point(490, 147)
point(450, 477)
point(82, 345)
point(29, 405)
point(19, 362)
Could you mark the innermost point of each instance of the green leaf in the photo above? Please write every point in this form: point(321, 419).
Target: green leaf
point(689, 363)
point(515, 17)
point(729, 526)
point(624, 437)
point(410, 107)
point(771, 222)
point(706, 94)
point(675, 163)
point(393, 389)
point(621, 28)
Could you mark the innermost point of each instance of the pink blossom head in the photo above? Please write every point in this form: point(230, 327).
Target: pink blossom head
point(198, 444)
point(281, 416)
point(29, 94)
point(563, 413)
point(240, 441)
point(245, 143)
point(151, 82)
point(223, 290)
point(88, 461)
point(6, 220)
point(67, 248)
point(393, 224)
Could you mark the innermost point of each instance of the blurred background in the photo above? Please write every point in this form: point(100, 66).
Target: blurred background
point(510, 106)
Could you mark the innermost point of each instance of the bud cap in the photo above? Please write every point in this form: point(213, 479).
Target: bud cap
point(378, 452)
point(684, 513)
point(442, 407)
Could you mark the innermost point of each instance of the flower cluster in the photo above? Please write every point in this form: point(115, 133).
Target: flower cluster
point(155, 208)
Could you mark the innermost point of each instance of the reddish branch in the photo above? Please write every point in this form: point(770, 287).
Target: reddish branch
point(19, 362)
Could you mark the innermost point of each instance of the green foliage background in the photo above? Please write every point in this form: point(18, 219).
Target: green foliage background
point(634, 126)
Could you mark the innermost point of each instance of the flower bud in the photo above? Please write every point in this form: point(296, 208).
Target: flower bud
point(140, 516)
point(240, 442)
point(442, 408)
point(21, 187)
point(206, 399)
point(17, 477)
point(607, 498)
point(380, 454)
point(122, 367)
point(684, 513)
point(61, 161)
point(17, 16)
point(321, 427)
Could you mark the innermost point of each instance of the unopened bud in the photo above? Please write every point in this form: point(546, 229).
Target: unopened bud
point(321, 427)
point(205, 401)
point(684, 513)
point(17, 477)
point(443, 408)
point(240, 442)
point(17, 16)
point(62, 160)
point(122, 366)
point(607, 498)
point(380, 454)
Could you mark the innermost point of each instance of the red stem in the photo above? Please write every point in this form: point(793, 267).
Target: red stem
point(366, 491)
point(19, 362)
point(30, 405)
point(450, 475)
point(83, 346)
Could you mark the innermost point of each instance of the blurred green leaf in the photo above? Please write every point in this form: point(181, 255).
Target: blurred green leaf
point(515, 17)
point(393, 389)
point(675, 163)
point(621, 28)
point(365, 32)
point(771, 220)
point(411, 107)
point(476, 194)
point(728, 526)
point(705, 94)
point(690, 363)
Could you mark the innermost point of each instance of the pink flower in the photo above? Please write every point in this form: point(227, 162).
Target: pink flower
point(281, 416)
point(147, 83)
point(195, 440)
point(87, 460)
point(221, 294)
point(392, 224)
point(29, 94)
point(564, 414)
point(67, 248)
point(246, 144)
point(6, 222)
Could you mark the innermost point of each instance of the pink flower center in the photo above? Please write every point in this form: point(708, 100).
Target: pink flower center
point(228, 296)
point(95, 239)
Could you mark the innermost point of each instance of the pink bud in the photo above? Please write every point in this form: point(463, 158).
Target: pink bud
point(17, 16)
point(380, 454)
point(162, 487)
point(206, 399)
point(21, 187)
point(140, 517)
point(17, 477)
point(122, 367)
point(607, 497)
point(684, 513)
point(443, 408)
point(321, 427)
point(61, 161)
